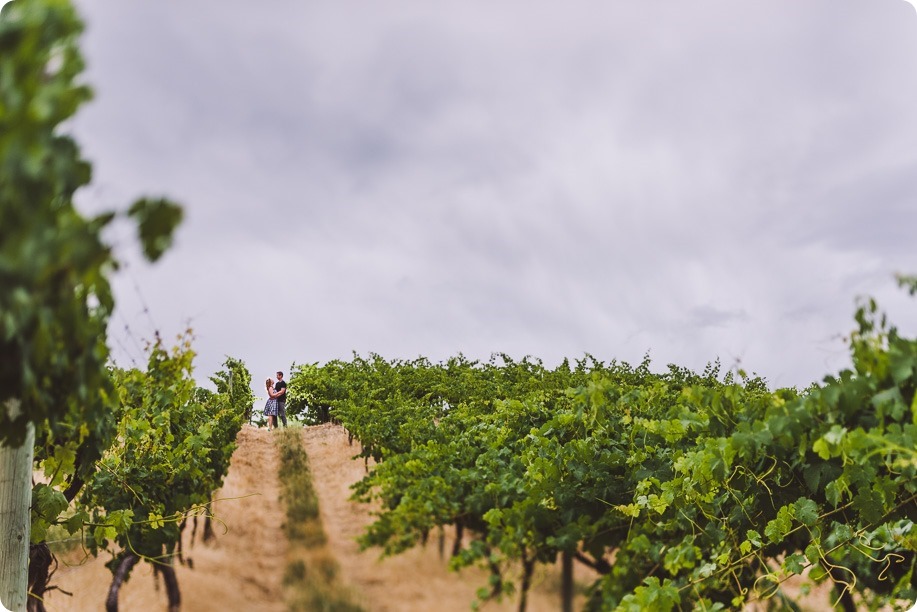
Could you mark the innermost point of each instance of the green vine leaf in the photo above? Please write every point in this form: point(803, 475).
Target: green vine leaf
point(156, 223)
point(806, 511)
point(778, 528)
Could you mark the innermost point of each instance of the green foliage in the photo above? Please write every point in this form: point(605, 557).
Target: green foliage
point(55, 299)
point(156, 221)
point(707, 491)
point(235, 383)
point(172, 451)
point(908, 282)
point(311, 391)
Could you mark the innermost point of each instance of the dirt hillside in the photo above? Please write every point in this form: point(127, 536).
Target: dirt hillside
point(242, 568)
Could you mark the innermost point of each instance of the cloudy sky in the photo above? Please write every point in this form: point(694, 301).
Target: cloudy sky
point(696, 180)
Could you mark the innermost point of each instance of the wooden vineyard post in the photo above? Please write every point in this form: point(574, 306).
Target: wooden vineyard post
point(566, 581)
point(15, 522)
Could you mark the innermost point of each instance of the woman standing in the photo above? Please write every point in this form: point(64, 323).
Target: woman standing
point(270, 408)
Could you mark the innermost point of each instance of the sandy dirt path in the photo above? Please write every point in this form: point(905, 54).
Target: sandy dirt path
point(417, 580)
point(241, 569)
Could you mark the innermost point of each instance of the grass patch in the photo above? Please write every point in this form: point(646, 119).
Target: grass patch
point(311, 574)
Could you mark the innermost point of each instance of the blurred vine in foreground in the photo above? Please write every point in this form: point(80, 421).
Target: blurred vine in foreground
point(55, 298)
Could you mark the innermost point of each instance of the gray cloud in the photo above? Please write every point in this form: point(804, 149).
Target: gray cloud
point(702, 180)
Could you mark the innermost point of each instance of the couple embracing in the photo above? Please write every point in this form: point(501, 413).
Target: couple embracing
point(277, 401)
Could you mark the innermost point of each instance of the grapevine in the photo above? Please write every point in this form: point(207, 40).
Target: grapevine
point(682, 490)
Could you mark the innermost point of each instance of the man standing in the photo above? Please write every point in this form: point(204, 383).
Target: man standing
point(281, 387)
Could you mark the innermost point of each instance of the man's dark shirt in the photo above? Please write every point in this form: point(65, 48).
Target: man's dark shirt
point(281, 384)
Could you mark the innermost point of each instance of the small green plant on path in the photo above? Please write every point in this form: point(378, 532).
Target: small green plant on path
point(311, 576)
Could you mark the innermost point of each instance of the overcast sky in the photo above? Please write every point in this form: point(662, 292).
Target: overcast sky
point(696, 180)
